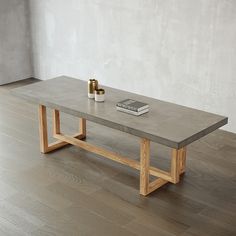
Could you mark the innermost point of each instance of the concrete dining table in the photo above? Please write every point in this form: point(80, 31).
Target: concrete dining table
point(166, 123)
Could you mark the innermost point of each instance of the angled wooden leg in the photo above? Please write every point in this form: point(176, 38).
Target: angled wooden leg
point(82, 127)
point(144, 166)
point(43, 130)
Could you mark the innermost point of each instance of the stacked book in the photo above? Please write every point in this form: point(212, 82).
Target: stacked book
point(132, 107)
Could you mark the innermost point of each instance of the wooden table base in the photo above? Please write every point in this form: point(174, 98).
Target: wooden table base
point(177, 162)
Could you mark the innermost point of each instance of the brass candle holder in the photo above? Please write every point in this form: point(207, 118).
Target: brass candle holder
point(92, 86)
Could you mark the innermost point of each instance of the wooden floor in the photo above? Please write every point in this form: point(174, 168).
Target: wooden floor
point(73, 192)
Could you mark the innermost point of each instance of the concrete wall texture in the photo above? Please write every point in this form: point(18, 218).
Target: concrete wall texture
point(15, 47)
point(182, 51)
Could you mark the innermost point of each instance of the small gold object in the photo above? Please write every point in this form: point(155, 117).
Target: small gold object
point(92, 86)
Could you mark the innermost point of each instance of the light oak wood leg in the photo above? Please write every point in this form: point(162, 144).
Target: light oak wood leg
point(43, 130)
point(82, 127)
point(183, 160)
point(147, 187)
point(144, 166)
point(45, 147)
point(175, 166)
point(56, 122)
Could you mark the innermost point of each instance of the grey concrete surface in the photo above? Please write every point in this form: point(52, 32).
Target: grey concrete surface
point(15, 41)
point(166, 123)
point(181, 51)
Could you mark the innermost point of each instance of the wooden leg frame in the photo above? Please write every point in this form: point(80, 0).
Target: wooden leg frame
point(177, 162)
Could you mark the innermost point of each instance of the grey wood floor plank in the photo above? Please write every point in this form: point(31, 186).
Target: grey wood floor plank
point(162, 225)
point(90, 203)
point(96, 224)
point(141, 229)
point(19, 218)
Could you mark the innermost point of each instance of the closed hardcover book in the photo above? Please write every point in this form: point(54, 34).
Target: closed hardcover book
point(136, 113)
point(132, 105)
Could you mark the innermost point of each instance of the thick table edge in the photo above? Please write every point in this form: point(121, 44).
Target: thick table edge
point(203, 133)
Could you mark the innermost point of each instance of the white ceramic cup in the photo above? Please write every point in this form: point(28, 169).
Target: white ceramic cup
point(99, 95)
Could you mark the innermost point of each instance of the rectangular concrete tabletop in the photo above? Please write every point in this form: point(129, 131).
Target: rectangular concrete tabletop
point(166, 123)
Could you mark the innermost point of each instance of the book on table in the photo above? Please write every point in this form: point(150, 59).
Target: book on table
point(136, 113)
point(133, 107)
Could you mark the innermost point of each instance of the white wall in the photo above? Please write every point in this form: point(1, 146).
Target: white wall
point(15, 50)
point(183, 51)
